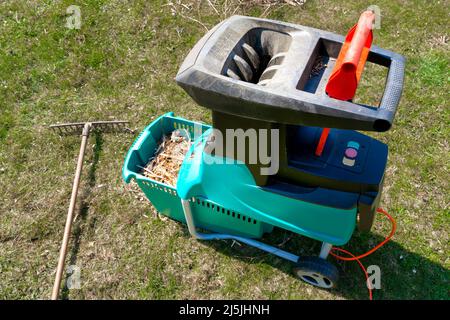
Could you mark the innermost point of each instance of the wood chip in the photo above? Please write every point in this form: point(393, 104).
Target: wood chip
point(165, 164)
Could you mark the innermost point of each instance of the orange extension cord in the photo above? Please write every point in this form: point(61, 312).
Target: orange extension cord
point(352, 257)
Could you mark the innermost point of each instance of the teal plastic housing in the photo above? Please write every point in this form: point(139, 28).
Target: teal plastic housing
point(223, 194)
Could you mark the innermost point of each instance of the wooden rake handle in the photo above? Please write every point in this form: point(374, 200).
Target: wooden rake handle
point(69, 220)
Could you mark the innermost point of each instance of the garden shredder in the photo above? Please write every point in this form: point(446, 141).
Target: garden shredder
point(289, 82)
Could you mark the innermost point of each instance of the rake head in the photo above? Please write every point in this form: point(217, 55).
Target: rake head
point(76, 128)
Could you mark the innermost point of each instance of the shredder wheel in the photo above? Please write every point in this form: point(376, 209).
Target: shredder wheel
point(317, 272)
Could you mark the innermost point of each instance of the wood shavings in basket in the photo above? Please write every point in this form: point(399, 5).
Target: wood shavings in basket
point(165, 165)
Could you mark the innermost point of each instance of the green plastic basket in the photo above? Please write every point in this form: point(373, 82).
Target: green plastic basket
point(207, 214)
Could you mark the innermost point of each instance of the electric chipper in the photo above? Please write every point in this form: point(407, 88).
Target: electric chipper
point(292, 83)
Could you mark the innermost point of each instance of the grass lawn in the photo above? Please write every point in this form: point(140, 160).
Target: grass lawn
point(121, 65)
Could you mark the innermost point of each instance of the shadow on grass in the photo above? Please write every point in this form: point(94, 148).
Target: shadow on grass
point(404, 274)
point(83, 212)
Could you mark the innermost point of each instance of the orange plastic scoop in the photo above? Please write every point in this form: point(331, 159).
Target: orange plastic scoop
point(347, 71)
point(351, 60)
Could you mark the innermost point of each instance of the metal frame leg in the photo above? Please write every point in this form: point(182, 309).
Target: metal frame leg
point(325, 250)
point(218, 236)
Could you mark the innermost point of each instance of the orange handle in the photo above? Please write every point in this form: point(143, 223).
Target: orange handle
point(347, 71)
point(359, 38)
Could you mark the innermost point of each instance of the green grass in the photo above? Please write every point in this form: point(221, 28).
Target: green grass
point(121, 65)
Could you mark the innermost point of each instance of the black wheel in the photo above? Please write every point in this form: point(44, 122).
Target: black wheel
point(317, 271)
